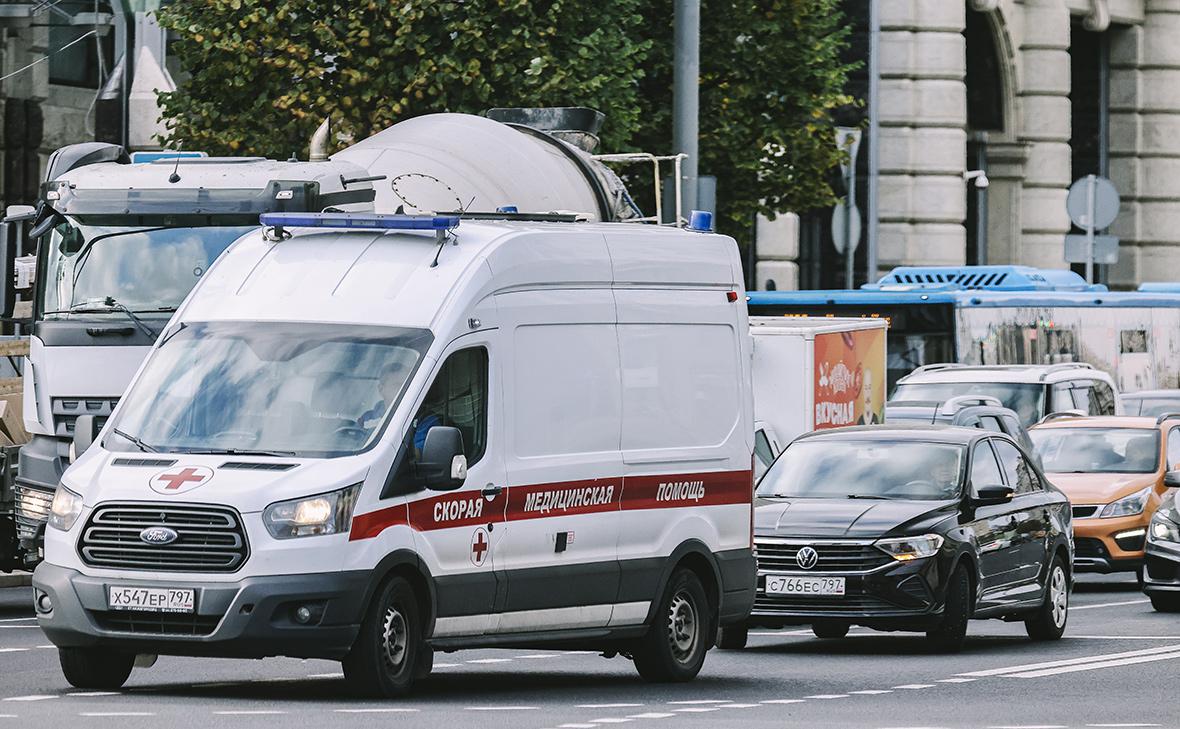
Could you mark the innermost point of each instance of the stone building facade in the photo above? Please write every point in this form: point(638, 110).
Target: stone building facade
point(1037, 93)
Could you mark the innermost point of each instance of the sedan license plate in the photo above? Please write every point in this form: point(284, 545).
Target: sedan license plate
point(819, 586)
point(150, 599)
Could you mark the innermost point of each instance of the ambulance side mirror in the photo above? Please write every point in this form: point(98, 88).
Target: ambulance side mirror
point(442, 465)
point(85, 432)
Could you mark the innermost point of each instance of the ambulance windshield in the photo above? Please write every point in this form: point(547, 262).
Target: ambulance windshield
point(268, 388)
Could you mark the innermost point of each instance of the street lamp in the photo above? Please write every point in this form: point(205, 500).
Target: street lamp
point(979, 177)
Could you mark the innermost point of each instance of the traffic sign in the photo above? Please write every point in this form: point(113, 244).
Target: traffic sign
point(1106, 202)
point(1106, 248)
point(838, 227)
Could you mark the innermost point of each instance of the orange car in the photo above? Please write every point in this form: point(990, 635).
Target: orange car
point(1112, 468)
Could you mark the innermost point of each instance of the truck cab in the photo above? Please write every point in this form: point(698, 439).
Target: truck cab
point(119, 245)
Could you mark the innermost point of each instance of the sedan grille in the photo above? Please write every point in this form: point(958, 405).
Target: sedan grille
point(776, 556)
point(790, 604)
point(208, 538)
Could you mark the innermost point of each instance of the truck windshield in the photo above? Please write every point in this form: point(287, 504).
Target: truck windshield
point(826, 468)
point(1028, 400)
point(145, 269)
point(269, 388)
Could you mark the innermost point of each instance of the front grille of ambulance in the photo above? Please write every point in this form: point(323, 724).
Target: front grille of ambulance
point(210, 538)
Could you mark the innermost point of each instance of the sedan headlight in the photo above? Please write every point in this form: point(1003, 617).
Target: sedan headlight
point(904, 549)
point(65, 509)
point(1163, 529)
point(1128, 505)
point(329, 513)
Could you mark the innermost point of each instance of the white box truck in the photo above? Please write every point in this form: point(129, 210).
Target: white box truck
point(812, 374)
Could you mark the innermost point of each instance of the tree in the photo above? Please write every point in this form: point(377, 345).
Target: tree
point(771, 78)
point(265, 73)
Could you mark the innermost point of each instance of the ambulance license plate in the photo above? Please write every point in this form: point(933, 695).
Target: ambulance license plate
point(150, 599)
point(819, 586)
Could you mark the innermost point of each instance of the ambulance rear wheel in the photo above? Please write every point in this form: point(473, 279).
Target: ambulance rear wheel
point(91, 668)
point(386, 657)
point(676, 642)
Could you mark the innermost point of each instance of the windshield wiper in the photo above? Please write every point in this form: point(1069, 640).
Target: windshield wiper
point(867, 496)
point(108, 305)
point(135, 441)
point(243, 452)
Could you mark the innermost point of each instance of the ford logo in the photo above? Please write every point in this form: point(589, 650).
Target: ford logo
point(806, 558)
point(159, 535)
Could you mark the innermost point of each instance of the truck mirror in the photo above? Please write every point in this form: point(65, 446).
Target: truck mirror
point(85, 432)
point(442, 465)
point(9, 242)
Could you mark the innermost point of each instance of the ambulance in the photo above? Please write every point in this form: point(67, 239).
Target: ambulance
point(371, 437)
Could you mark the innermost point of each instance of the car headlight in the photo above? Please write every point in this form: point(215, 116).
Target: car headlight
point(65, 509)
point(1128, 505)
point(1163, 529)
point(329, 513)
point(904, 549)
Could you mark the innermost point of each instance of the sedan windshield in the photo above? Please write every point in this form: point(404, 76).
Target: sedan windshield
point(1097, 450)
point(1026, 399)
point(315, 390)
point(144, 269)
point(866, 469)
point(1151, 406)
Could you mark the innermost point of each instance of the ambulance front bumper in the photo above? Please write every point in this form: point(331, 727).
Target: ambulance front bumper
point(255, 617)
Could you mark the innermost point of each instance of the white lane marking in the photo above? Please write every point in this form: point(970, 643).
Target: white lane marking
point(1124, 725)
point(13, 650)
point(699, 701)
point(1029, 726)
point(500, 708)
point(8, 716)
point(696, 709)
point(829, 696)
point(535, 656)
point(116, 713)
point(93, 693)
point(955, 680)
point(872, 692)
point(611, 720)
point(1108, 604)
point(783, 701)
point(1095, 666)
point(584, 653)
point(914, 686)
point(254, 712)
point(20, 627)
point(15, 620)
point(326, 675)
point(445, 665)
point(34, 697)
point(47, 646)
point(1070, 661)
point(737, 706)
point(776, 633)
point(651, 715)
point(1126, 637)
point(608, 706)
point(578, 726)
point(376, 711)
point(491, 660)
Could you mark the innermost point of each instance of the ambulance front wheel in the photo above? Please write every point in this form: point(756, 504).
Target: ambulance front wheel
point(94, 668)
point(676, 642)
point(387, 655)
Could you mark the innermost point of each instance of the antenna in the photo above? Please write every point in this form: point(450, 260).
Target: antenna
point(174, 177)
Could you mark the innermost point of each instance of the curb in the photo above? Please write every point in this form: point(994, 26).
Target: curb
point(16, 579)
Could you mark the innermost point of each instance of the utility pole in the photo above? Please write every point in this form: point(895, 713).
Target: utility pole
point(686, 97)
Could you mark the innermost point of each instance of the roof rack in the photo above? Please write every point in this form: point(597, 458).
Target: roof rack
point(1062, 414)
point(1166, 416)
point(937, 366)
point(952, 405)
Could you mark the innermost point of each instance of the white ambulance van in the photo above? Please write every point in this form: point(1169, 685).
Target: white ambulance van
point(420, 433)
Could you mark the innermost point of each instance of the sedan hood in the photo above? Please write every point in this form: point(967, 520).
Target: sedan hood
point(1100, 488)
point(852, 518)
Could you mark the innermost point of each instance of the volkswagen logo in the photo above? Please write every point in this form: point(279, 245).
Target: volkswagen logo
point(806, 558)
point(158, 535)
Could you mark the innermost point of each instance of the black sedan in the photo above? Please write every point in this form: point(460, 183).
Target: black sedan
point(912, 528)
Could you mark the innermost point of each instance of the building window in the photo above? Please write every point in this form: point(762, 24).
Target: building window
point(83, 64)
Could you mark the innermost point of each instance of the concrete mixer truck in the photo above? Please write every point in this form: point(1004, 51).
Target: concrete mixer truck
point(118, 245)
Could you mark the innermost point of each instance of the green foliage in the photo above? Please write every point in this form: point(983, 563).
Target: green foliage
point(264, 73)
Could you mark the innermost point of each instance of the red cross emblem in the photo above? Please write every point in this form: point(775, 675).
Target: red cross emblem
point(178, 481)
point(479, 547)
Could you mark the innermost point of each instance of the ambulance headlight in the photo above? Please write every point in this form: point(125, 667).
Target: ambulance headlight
point(329, 513)
point(65, 509)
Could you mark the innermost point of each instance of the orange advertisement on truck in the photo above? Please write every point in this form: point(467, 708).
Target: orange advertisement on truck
point(812, 374)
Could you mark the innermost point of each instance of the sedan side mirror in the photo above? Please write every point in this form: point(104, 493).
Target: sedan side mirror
point(85, 432)
point(1172, 479)
point(442, 466)
point(991, 495)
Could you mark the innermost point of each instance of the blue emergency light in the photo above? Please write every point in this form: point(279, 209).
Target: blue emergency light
point(364, 221)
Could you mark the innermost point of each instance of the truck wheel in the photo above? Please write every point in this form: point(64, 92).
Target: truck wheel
point(1165, 603)
point(386, 657)
point(948, 635)
point(676, 642)
point(91, 668)
point(1048, 622)
point(829, 631)
point(733, 637)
